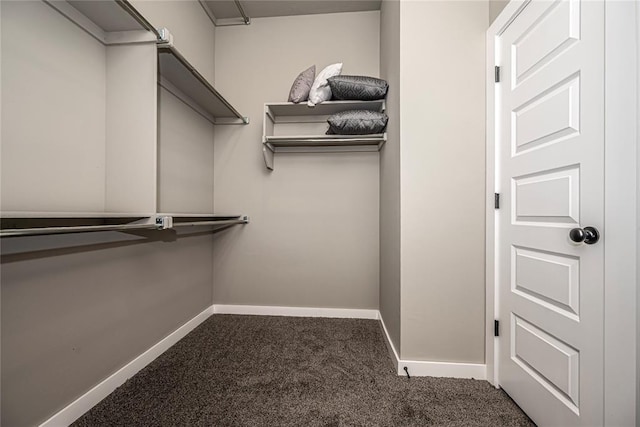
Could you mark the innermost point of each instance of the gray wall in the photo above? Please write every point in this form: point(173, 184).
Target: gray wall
point(442, 176)
point(325, 228)
point(390, 173)
point(76, 308)
point(313, 237)
point(192, 30)
point(435, 172)
point(185, 139)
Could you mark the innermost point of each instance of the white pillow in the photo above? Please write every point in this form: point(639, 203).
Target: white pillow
point(320, 90)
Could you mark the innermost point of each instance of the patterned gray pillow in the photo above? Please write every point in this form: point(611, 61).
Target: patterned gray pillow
point(302, 85)
point(359, 88)
point(357, 122)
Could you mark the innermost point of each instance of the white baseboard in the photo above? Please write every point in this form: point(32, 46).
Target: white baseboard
point(392, 350)
point(78, 407)
point(421, 368)
point(264, 310)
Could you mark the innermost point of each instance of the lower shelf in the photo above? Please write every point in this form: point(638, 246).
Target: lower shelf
point(37, 226)
point(199, 220)
point(37, 214)
point(320, 144)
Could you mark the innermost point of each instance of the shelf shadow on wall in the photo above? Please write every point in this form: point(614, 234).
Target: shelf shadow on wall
point(16, 249)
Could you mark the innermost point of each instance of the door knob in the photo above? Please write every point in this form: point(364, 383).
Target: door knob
point(588, 235)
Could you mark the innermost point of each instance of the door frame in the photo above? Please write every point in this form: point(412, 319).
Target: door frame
point(622, 208)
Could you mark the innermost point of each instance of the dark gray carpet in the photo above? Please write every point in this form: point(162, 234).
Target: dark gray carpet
point(292, 371)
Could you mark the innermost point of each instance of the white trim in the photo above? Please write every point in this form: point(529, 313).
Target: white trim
point(503, 20)
point(491, 311)
point(637, 213)
point(620, 164)
point(267, 310)
point(78, 407)
point(417, 368)
point(392, 350)
point(422, 368)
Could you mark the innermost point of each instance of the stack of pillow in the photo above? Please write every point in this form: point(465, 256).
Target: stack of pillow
point(329, 84)
point(314, 90)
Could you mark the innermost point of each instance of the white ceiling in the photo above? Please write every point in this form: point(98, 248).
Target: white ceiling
point(223, 9)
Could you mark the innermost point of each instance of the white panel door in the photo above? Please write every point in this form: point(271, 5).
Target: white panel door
point(550, 147)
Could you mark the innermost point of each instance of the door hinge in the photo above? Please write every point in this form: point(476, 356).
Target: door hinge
point(496, 328)
point(497, 74)
point(496, 200)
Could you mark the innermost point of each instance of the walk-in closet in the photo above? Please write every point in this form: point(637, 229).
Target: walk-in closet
point(318, 212)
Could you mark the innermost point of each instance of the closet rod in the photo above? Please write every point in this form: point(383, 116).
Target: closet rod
point(128, 7)
point(223, 222)
point(242, 12)
point(15, 232)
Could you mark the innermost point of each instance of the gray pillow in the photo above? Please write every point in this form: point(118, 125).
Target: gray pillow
point(359, 88)
point(357, 122)
point(302, 85)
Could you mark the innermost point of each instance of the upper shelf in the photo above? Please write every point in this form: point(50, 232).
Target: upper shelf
point(165, 221)
point(67, 215)
point(177, 73)
point(282, 112)
point(101, 18)
point(112, 15)
point(12, 225)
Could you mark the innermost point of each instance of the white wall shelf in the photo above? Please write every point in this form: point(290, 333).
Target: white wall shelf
point(105, 20)
point(288, 112)
point(284, 123)
point(164, 221)
point(76, 215)
point(207, 216)
point(279, 143)
point(180, 78)
point(67, 223)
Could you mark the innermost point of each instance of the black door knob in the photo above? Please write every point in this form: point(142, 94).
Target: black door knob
point(588, 235)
